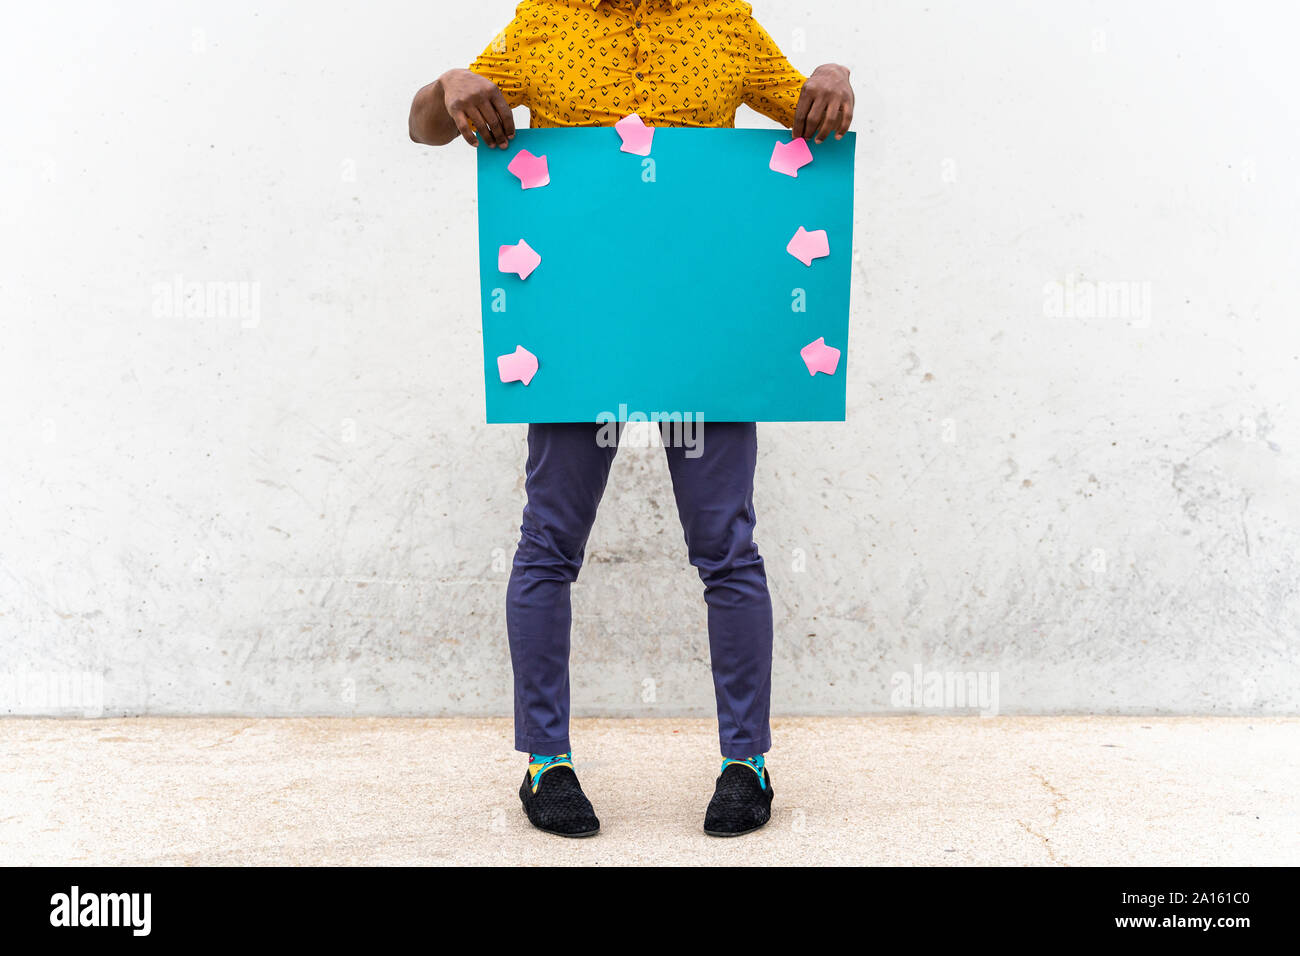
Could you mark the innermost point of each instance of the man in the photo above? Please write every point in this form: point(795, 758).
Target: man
point(674, 63)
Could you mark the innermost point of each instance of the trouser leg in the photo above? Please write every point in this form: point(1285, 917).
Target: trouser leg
point(715, 501)
point(566, 474)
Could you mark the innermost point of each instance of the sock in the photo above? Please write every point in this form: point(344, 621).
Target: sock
point(538, 764)
point(755, 764)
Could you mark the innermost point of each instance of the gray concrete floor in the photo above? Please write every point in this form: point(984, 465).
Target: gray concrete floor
point(883, 790)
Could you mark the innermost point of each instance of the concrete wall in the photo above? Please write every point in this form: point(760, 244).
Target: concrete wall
point(1072, 456)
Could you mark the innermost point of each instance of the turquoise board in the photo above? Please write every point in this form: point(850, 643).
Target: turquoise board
point(665, 285)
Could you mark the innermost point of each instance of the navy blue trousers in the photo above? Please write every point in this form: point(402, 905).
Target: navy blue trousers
point(566, 473)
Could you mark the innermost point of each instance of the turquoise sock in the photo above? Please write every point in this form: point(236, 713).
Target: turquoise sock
point(538, 764)
point(755, 764)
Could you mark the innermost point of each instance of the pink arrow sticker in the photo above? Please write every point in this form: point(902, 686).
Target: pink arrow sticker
point(531, 170)
point(520, 259)
point(807, 246)
point(790, 157)
point(521, 365)
point(635, 134)
point(820, 357)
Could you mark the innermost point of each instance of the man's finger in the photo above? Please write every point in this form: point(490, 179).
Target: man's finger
point(846, 120)
point(462, 124)
point(801, 113)
point(506, 114)
point(816, 113)
point(481, 125)
point(829, 120)
point(488, 110)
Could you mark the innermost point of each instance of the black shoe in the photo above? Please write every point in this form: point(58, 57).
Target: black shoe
point(559, 806)
point(740, 803)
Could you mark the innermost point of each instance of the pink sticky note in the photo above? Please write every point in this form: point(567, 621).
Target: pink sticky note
point(635, 134)
point(520, 259)
point(820, 357)
point(790, 157)
point(531, 170)
point(807, 246)
point(521, 365)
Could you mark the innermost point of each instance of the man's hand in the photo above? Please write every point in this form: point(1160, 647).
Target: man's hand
point(825, 104)
point(460, 102)
point(470, 98)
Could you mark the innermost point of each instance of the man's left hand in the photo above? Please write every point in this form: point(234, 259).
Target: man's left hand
point(825, 104)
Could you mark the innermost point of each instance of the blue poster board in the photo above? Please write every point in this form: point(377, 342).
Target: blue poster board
point(665, 285)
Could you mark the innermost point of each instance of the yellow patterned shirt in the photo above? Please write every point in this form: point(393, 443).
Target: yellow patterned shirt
point(672, 62)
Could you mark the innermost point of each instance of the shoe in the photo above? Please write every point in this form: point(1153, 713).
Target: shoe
point(740, 803)
point(559, 806)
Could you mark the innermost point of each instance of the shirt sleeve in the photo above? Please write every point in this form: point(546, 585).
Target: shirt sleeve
point(503, 60)
point(772, 85)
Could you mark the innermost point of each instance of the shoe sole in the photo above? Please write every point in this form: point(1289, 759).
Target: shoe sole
point(574, 836)
point(726, 833)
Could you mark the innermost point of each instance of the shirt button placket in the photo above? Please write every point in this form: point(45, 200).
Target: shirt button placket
point(636, 47)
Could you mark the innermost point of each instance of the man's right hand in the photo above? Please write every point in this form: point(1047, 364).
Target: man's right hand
point(474, 102)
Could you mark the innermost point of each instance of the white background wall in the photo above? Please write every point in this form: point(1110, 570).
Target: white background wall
point(303, 512)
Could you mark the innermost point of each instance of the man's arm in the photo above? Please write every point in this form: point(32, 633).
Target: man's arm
point(815, 107)
point(480, 98)
point(456, 104)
